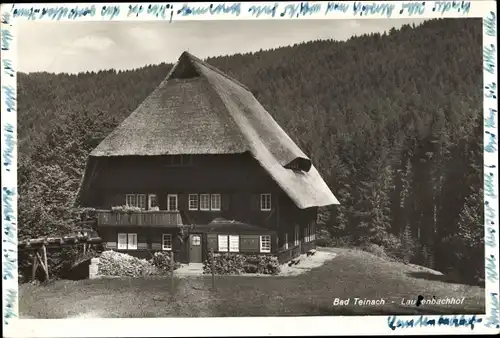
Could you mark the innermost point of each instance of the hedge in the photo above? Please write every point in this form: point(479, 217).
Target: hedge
point(163, 261)
point(235, 264)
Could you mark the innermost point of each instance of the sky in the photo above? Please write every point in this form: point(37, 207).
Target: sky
point(73, 47)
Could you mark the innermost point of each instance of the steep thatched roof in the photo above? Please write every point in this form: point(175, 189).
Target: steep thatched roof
point(198, 109)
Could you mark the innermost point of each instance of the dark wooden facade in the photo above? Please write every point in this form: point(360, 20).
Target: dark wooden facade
point(238, 178)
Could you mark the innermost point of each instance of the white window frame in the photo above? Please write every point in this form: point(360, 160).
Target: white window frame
point(212, 207)
point(198, 237)
point(142, 198)
point(150, 197)
point(190, 200)
point(176, 202)
point(164, 243)
point(207, 196)
point(122, 245)
point(262, 248)
point(130, 243)
point(131, 204)
point(264, 198)
point(234, 243)
point(222, 239)
point(285, 245)
point(125, 242)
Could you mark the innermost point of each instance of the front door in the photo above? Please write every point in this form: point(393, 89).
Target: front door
point(195, 248)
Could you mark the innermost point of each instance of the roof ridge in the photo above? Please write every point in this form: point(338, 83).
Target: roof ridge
point(209, 66)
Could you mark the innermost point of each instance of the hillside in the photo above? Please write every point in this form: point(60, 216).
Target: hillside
point(393, 123)
point(397, 284)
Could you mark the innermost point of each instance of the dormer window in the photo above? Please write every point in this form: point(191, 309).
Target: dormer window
point(299, 164)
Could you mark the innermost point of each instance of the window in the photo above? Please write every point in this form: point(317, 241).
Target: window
point(265, 243)
point(172, 203)
point(122, 241)
point(166, 242)
point(205, 202)
point(178, 160)
point(265, 202)
point(141, 201)
point(234, 243)
point(196, 240)
point(223, 245)
point(285, 245)
point(296, 238)
point(152, 202)
point(215, 202)
point(306, 233)
point(313, 231)
point(132, 242)
point(131, 200)
point(209, 202)
point(127, 241)
point(193, 202)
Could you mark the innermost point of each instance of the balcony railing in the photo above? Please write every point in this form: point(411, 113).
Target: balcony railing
point(139, 218)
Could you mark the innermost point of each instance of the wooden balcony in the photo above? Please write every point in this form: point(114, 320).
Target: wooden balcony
point(139, 218)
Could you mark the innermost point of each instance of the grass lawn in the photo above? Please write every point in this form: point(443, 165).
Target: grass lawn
point(350, 274)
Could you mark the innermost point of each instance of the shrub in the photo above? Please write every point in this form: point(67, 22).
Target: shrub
point(163, 262)
point(325, 241)
point(224, 264)
point(112, 263)
point(392, 246)
point(332, 241)
point(375, 249)
point(227, 264)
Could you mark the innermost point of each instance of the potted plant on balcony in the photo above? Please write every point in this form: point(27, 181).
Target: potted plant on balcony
point(125, 209)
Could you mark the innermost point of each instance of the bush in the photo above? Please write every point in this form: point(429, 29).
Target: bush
point(112, 263)
point(392, 246)
point(234, 264)
point(403, 248)
point(224, 264)
point(325, 241)
point(375, 249)
point(163, 262)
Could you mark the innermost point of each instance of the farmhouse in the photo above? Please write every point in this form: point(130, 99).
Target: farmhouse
point(201, 165)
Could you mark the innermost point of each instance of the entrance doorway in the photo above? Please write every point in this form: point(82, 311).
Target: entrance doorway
point(195, 248)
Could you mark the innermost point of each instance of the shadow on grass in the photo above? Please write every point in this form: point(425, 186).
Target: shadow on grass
point(322, 310)
point(443, 278)
point(311, 310)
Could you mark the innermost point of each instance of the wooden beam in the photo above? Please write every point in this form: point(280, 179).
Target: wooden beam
point(44, 251)
point(34, 267)
point(40, 260)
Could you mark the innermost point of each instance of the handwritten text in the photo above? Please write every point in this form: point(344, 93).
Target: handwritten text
point(375, 8)
point(393, 322)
